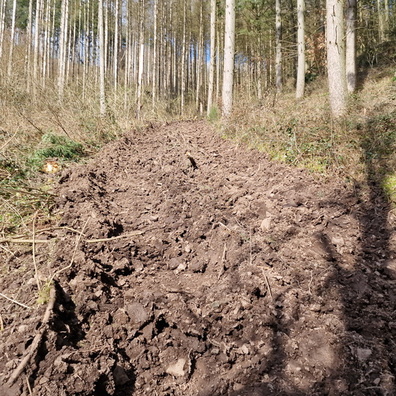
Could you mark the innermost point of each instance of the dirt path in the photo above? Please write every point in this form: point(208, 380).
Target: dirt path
point(213, 273)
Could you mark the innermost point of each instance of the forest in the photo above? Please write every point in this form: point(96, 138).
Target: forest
point(197, 198)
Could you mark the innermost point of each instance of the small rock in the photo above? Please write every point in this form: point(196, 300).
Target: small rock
point(266, 224)
point(363, 354)
point(137, 313)
point(177, 369)
point(173, 263)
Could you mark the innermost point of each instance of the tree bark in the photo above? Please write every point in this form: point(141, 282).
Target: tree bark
point(351, 45)
point(300, 49)
point(336, 56)
point(212, 54)
point(278, 46)
point(102, 92)
point(229, 48)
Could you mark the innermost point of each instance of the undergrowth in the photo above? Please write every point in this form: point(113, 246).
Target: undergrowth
point(359, 147)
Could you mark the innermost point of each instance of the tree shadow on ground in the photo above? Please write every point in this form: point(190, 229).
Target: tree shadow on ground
point(365, 288)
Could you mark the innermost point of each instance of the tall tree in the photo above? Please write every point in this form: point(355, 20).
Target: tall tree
point(212, 54)
point(62, 46)
point(12, 38)
point(300, 49)
point(102, 92)
point(336, 56)
point(351, 45)
point(229, 48)
point(278, 46)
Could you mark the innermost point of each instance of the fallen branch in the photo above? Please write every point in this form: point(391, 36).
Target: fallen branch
point(114, 238)
point(32, 241)
point(17, 240)
point(14, 301)
point(36, 341)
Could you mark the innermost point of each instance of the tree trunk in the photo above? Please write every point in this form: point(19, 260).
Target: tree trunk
point(12, 38)
point(62, 48)
point(278, 46)
point(102, 60)
point(301, 49)
point(212, 54)
point(229, 48)
point(141, 60)
point(351, 45)
point(336, 56)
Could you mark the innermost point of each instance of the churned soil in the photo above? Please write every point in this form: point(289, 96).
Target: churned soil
point(187, 265)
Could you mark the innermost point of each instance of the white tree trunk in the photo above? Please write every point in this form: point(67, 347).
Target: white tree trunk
point(12, 37)
point(300, 49)
point(351, 45)
point(154, 65)
point(62, 48)
point(229, 49)
point(115, 55)
point(278, 46)
point(336, 56)
point(141, 60)
point(102, 92)
point(212, 54)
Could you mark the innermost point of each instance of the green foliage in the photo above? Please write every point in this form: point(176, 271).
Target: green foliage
point(54, 146)
point(214, 114)
point(389, 187)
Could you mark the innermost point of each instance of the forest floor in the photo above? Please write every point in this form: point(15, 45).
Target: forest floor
point(212, 273)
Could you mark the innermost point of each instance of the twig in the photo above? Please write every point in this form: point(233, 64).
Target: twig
point(229, 229)
point(114, 238)
point(267, 284)
point(34, 251)
point(14, 301)
point(250, 245)
point(81, 234)
point(1, 323)
point(223, 258)
point(16, 240)
point(28, 385)
point(36, 341)
point(74, 253)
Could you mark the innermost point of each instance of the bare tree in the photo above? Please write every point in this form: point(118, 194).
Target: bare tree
point(336, 56)
point(229, 48)
point(278, 46)
point(300, 49)
point(212, 54)
point(12, 38)
point(102, 92)
point(351, 45)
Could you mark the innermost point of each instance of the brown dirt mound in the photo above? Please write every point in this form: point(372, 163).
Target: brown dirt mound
point(215, 272)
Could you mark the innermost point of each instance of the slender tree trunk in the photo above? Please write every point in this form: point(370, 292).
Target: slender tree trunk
point(229, 48)
point(12, 38)
point(336, 56)
point(278, 46)
point(183, 61)
point(116, 45)
point(141, 60)
point(102, 60)
point(212, 54)
point(351, 45)
point(3, 4)
point(301, 49)
point(28, 64)
point(62, 48)
point(154, 65)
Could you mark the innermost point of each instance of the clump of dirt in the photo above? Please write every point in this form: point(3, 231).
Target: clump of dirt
point(187, 265)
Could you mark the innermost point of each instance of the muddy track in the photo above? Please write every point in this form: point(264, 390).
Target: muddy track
point(207, 270)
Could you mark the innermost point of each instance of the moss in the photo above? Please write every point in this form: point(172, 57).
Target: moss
point(389, 187)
